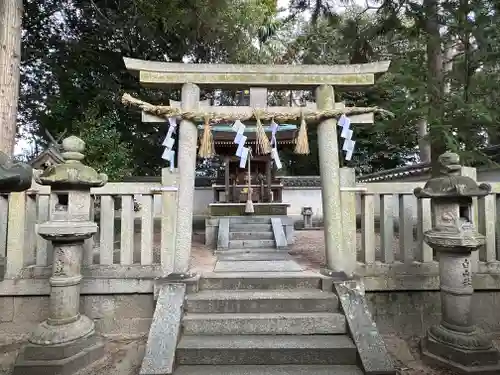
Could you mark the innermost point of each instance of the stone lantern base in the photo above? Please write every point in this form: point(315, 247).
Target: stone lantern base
point(61, 359)
point(466, 353)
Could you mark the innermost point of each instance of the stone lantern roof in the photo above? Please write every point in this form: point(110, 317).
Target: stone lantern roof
point(451, 185)
point(72, 173)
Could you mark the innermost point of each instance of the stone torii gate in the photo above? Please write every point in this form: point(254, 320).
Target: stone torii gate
point(340, 257)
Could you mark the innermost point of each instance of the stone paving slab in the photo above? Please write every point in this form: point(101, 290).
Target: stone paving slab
point(255, 256)
point(269, 370)
point(257, 266)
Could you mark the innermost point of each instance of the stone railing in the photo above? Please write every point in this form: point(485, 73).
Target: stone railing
point(390, 252)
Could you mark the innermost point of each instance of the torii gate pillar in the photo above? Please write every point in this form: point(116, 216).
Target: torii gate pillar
point(337, 260)
point(186, 161)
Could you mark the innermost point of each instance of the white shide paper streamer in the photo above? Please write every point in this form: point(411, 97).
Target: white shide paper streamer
point(346, 133)
point(168, 143)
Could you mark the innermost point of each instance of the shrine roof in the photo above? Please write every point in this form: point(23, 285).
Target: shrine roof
point(224, 134)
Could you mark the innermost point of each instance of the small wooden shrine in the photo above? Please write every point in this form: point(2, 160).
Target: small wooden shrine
point(231, 185)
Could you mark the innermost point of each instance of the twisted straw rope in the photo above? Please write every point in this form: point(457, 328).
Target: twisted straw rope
point(166, 112)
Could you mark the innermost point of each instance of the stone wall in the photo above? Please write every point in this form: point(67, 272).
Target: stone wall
point(410, 313)
point(118, 315)
point(407, 313)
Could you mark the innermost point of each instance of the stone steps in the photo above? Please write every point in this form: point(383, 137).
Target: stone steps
point(264, 323)
point(248, 251)
point(269, 370)
point(251, 227)
point(249, 220)
point(261, 301)
point(251, 236)
point(261, 280)
point(257, 256)
point(266, 350)
point(251, 244)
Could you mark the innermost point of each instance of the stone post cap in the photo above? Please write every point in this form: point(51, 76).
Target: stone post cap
point(14, 177)
point(72, 174)
point(450, 184)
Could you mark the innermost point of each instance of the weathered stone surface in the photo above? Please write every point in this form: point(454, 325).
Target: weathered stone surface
point(251, 226)
point(72, 172)
point(269, 370)
point(444, 356)
point(65, 342)
point(260, 280)
point(251, 244)
point(248, 235)
point(238, 209)
point(251, 266)
point(164, 331)
point(261, 301)
point(223, 234)
point(14, 176)
point(186, 160)
point(330, 181)
point(265, 324)
point(456, 343)
point(371, 348)
point(266, 350)
point(259, 256)
point(56, 352)
point(279, 233)
point(271, 76)
point(64, 366)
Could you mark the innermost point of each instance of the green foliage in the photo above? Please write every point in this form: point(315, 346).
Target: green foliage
point(73, 74)
point(105, 151)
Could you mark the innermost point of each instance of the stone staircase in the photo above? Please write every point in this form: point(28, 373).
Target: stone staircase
point(261, 323)
point(251, 232)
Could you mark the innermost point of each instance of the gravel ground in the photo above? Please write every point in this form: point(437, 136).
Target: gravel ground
point(309, 248)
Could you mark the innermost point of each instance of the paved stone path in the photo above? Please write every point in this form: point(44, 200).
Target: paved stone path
point(256, 261)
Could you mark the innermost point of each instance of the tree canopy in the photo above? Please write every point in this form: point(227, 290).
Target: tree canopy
point(72, 73)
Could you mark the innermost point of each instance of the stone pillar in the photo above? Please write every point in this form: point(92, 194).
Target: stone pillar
point(14, 177)
point(330, 184)
point(66, 341)
point(188, 137)
point(456, 343)
point(168, 219)
point(348, 204)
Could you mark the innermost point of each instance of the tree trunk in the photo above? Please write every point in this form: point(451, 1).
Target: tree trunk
point(435, 82)
point(423, 142)
point(11, 12)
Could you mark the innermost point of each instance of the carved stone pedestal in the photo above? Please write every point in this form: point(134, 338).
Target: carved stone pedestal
point(456, 343)
point(478, 357)
point(66, 341)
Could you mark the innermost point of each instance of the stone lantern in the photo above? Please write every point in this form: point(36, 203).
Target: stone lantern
point(66, 341)
point(307, 213)
point(456, 343)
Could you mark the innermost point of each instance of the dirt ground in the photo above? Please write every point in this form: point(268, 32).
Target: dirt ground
point(124, 356)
